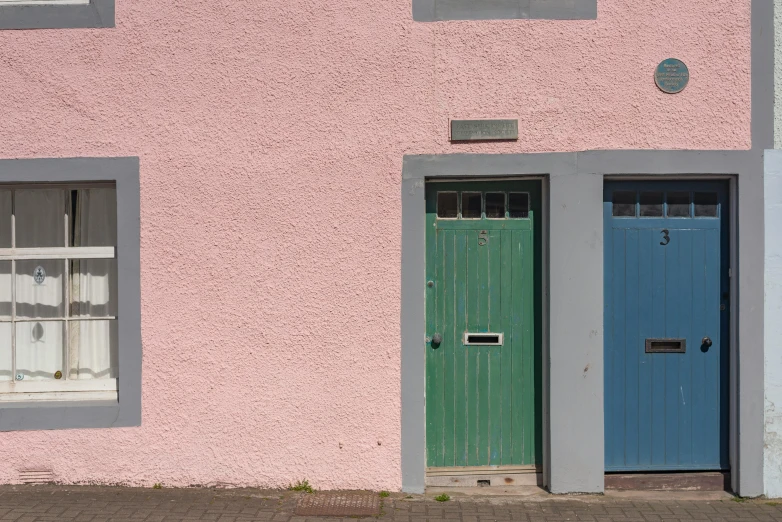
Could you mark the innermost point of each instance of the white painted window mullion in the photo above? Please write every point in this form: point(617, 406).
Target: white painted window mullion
point(13, 288)
point(67, 297)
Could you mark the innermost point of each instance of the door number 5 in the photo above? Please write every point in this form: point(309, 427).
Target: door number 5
point(666, 237)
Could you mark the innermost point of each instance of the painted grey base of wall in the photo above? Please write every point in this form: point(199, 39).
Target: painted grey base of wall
point(574, 432)
point(96, 14)
point(441, 10)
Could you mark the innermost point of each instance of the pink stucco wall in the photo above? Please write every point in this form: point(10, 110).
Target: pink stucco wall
point(271, 137)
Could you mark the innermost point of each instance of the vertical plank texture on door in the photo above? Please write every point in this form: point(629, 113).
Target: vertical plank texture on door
point(482, 400)
point(666, 279)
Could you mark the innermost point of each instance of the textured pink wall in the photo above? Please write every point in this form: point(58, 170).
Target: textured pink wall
point(271, 137)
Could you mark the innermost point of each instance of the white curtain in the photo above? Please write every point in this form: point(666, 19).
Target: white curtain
point(5, 218)
point(40, 222)
point(93, 352)
point(40, 218)
point(40, 344)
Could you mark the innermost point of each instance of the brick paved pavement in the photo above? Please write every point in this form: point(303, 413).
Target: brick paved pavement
point(50, 503)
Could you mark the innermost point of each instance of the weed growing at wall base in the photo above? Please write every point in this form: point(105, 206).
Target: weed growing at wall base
point(301, 485)
point(442, 498)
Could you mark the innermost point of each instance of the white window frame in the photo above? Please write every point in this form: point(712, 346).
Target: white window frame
point(63, 389)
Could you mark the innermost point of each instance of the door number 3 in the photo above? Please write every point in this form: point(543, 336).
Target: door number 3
point(666, 237)
point(483, 238)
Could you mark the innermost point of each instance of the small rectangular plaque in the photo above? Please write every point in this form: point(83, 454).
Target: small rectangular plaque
point(479, 130)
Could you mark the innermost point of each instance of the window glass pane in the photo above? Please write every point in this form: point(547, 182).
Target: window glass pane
point(93, 350)
point(678, 204)
point(706, 204)
point(39, 349)
point(624, 204)
point(94, 217)
point(5, 219)
point(40, 289)
point(5, 352)
point(471, 205)
point(5, 289)
point(447, 206)
point(518, 205)
point(495, 205)
point(94, 288)
point(651, 204)
point(40, 218)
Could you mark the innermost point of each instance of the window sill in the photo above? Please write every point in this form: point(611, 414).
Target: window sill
point(58, 391)
point(60, 405)
point(37, 406)
point(59, 396)
point(64, 415)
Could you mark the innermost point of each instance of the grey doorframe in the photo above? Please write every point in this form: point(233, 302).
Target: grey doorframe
point(574, 459)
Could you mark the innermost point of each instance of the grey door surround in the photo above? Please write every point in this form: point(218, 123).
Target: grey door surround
point(573, 460)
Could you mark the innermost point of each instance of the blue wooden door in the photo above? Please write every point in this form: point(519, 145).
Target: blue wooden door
point(666, 326)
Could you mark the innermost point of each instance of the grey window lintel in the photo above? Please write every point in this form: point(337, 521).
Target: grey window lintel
point(96, 14)
point(442, 10)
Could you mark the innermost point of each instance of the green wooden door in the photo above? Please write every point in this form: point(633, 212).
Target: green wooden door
point(483, 398)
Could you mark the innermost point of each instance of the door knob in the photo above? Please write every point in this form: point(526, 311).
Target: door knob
point(437, 339)
point(706, 341)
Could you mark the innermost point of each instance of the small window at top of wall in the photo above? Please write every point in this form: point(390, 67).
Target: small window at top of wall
point(443, 10)
point(56, 14)
point(44, 2)
point(58, 293)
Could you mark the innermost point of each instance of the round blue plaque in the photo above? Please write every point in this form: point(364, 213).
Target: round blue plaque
point(672, 76)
